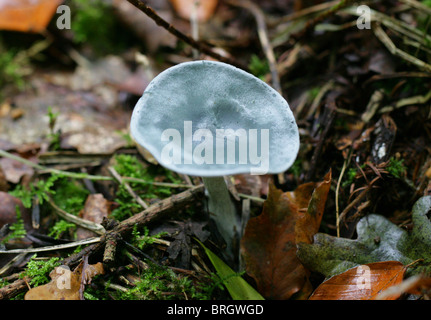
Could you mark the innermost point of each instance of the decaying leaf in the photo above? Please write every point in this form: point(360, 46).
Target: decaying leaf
point(378, 240)
point(416, 285)
point(364, 282)
point(4, 186)
point(269, 242)
point(14, 170)
point(8, 206)
point(27, 15)
point(65, 284)
point(96, 207)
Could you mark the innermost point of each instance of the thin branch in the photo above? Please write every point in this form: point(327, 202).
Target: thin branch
point(263, 37)
point(337, 191)
point(75, 175)
point(129, 189)
point(154, 212)
point(90, 225)
point(384, 38)
point(202, 47)
point(357, 199)
point(311, 24)
point(55, 247)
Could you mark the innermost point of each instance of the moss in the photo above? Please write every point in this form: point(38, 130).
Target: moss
point(130, 166)
point(141, 240)
point(396, 167)
point(17, 230)
point(350, 177)
point(258, 67)
point(94, 23)
point(69, 195)
point(159, 283)
point(38, 270)
point(59, 228)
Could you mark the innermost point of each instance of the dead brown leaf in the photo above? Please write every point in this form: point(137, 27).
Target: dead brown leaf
point(364, 282)
point(14, 170)
point(27, 15)
point(4, 186)
point(95, 209)
point(269, 242)
point(416, 285)
point(8, 206)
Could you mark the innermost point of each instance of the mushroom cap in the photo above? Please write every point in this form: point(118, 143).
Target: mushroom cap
point(212, 96)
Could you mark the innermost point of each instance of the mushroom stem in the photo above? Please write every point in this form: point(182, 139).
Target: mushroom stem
point(223, 211)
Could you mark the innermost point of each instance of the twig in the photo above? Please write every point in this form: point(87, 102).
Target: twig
point(75, 175)
point(187, 39)
point(263, 37)
point(129, 189)
point(154, 212)
point(55, 247)
point(301, 13)
point(90, 225)
point(337, 191)
point(357, 199)
point(110, 248)
point(417, 5)
point(252, 198)
point(407, 101)
point(157, 210)
point(328, 119)
point(322, 16)
point(11, 290)
point(384, 38)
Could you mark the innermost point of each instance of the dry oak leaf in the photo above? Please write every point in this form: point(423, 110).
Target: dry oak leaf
point(65, 284)
point(269, 242)
point(364, 282)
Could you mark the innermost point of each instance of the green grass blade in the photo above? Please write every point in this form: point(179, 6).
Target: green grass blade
point(238, 288)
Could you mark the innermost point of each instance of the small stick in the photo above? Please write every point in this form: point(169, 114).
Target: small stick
point(87, 224)
point(322, 16)
point(11, 290)
point(252, 198)
point(110, 248)
point(187, 39)
point(74, 175)
point(55, 247)
point(337, 191)
point(263, 37)
point(384, 38)
point(129, 189)
point(158, 209)
point(357, 199)
point(154, 212)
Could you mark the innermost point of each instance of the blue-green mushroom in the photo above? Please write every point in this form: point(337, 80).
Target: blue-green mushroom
point(211, 119)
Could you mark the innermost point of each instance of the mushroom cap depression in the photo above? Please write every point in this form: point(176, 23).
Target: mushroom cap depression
point(184, 115)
